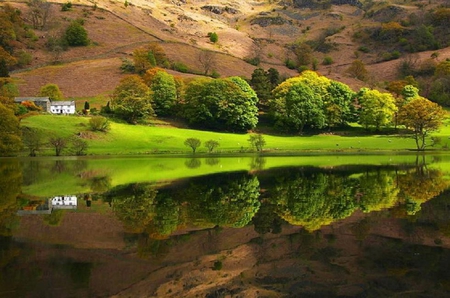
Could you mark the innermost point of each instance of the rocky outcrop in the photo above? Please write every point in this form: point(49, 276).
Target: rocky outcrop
point(356, 3)
point(267, 21)
point(219, 9)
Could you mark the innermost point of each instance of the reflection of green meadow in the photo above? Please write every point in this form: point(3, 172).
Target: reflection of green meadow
point(51, 176)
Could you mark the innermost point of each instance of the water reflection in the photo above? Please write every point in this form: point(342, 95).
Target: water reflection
point(365, 231)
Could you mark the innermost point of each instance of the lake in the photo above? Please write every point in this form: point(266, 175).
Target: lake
point(238, 226)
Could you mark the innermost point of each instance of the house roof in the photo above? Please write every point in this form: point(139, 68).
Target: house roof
point(63, 103)
point(31, 98)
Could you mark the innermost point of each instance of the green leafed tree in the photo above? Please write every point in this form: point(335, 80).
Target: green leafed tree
point(257, 141)
point(164, 92)
point(338, 104)
point(422, 116)
point(261, 84)
point(33, 140)
point(52, 91)
point(211, 145)
point(295, 105)
point(10, 135)
point(376, 109)
point(132, 100)
point(192, 143)
point(59, 143)
point(224, 104)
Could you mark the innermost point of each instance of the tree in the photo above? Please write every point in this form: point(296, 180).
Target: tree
point(295, 105)
point(211, 145)
point(358, 70)
point(59, 143)
point(51, 91)
point(303, 52)
point(148, 57)
point(4, 72)
point(261, 84)
point(338, 104)
point(10, 136)
point(79, 146)
point(257, 141)
point(225, 104)
point(143, 60)
point(131, 100)
point(422, 116)
point(33, 140)
point(376, 109)
point(193, 143)
point(207, 60)
point(99, 123)
point(76, 35)
point(164, 93)
point(39, 12)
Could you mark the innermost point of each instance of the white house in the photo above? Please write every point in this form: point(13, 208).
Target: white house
point(64, 202)
point(62, 107)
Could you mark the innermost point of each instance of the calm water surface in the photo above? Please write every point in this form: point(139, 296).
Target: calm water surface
point(326, 226)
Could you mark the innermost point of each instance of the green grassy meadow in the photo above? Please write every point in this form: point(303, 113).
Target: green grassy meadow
point(124, 139)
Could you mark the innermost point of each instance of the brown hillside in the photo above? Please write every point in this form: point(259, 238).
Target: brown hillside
point(181, 28)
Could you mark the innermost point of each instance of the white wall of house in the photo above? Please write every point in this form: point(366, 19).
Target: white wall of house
point(62, 107)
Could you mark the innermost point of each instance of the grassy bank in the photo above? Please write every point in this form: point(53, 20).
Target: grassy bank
point(124, 139)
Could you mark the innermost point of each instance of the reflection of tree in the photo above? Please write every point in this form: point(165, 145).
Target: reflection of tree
point(100, 184)
point(266, 220)
point(193, 163)
point(258, 163)
point(167, 213)
point(10, 182)
point(211, 161)
point(80, 273)
point(228, 200)
point(314, 199)
point(419, 186)
point(377, 191)
point(133, 204)
point(55, 218)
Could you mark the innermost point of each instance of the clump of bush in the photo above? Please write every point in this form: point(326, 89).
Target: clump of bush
point(99, 123)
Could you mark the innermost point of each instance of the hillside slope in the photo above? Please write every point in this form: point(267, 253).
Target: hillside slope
point(246, 29)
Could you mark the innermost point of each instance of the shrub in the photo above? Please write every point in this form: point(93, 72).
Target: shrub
point(127, 66)
point(290, 63)
point(215, 74)
point(66, 6)
point(253, 61)
point(217, 265)
point(23, 58)
point(213, 37)
point(76, 35)
point(327, 61)
point(99, 123)
point(181, 67)
point(364, 49)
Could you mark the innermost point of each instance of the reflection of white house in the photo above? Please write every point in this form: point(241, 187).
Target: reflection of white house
point(36, 207)
point(62, 107)
point(64, 202)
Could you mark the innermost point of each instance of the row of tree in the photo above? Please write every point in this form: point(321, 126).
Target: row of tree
point(308, 101)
